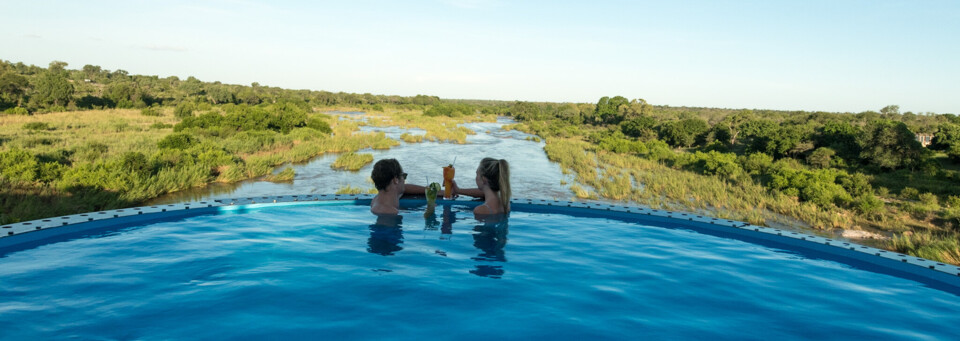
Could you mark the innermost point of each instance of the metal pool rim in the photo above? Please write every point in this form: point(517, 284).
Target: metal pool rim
point(945, 277)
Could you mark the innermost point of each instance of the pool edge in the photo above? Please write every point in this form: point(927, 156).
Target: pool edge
point(12, 235)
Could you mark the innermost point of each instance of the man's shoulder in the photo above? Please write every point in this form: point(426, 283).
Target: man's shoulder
point(384, 210)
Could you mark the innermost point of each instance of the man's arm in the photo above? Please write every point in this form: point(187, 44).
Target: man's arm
point(414, 189)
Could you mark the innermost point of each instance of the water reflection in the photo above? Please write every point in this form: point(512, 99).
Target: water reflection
point(386, 235)
point(446, 228)
point(430, 222)
point(490, 238)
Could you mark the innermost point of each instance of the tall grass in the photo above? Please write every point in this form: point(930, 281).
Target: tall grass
point(438, 128)
point(410, 138)
point(623, 177)
point(348, 189)
point(944, 247)
point(352, 161)
point(285, 175)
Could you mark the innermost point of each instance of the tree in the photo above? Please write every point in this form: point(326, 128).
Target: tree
point(947, 139)
point(13, 87)
point(683, 133)
point(184, 110)
point(91, 71)
point(890, 145)
point(821, 157)
point(948, 134)
point(523, 111)
point(639, 127)
point(839, 136)
point(122, 93)
point(192, 86)
point(608, 109)
point(734, 123)
point(53, 86)
point(57, 66)
point(220, 94)
point(890, 110)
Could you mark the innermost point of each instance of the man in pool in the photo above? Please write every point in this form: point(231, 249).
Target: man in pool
point(391, 183)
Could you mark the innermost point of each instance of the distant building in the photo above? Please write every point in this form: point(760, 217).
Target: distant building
point(925, 139)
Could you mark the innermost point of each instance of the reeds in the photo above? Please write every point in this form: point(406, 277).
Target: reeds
point(352, 161)
point(348, 189)
point(285, 175)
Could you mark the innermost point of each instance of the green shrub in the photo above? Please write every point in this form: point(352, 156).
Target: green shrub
point(883, 192)
point(857, 184)
point(658, 151)
point(818, 186)
point(821, 157)
point(91, 151)
point(177, 141)
point(119, 125)
point(952, 211)
point(250, 141)
point(17, 111)
point(184, 110)
point(135, 163)
point(319, 125)
point(720, 164)
point(150, 111)
point(618, 143)
point(51, 171)
point(204, 121)
point(160, 125)
point(868, 204)
point(756, 163)
point(18, 165)
point(928, 199)
point(37, 126)
point(909, 193)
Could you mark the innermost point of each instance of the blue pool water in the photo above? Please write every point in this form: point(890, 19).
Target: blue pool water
point(335, 272)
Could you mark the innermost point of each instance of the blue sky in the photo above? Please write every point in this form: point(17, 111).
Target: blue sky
point(795, 55)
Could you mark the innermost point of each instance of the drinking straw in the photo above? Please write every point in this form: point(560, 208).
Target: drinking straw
point(454, 161)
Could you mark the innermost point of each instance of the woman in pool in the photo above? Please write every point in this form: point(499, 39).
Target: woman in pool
point(493, 185)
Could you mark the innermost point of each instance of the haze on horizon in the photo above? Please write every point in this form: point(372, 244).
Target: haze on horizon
point(790, 55)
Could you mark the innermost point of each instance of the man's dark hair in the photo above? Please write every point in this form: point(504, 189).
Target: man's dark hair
point(384, 171)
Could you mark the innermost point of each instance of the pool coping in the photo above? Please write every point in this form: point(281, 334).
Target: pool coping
point(145, 214)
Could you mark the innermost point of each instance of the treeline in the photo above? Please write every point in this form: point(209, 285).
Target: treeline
point(845, 160)
point(28, 89)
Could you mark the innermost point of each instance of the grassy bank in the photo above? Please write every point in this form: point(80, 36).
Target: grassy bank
point(69, 162)
point(601, 174)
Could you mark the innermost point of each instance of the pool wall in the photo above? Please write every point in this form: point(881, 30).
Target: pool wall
point(942, 276)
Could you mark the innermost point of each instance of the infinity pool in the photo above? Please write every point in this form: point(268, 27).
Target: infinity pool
point(338, 272)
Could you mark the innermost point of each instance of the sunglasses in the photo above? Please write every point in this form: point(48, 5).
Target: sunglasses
point(403, 176)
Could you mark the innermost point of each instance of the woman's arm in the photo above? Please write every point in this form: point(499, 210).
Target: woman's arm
point(473, 192)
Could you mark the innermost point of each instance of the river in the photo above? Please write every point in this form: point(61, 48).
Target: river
point(532, 175)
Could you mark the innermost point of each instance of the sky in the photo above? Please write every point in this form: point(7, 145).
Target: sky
point(812, 55)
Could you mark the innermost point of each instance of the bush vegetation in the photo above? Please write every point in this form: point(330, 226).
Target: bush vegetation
point(828, 170)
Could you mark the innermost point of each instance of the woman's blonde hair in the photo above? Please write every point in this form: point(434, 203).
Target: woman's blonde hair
point(498, 173)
